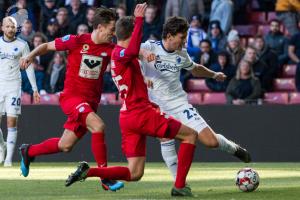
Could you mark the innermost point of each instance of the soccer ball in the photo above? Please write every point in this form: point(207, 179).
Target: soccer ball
point(247, 179)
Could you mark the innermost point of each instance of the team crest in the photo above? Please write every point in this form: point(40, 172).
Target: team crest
point(178, 59)
point(85, 48)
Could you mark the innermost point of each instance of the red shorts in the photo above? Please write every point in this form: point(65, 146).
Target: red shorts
point(137, 124)
point(77, 109)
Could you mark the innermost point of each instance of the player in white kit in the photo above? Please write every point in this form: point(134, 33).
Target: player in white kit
point(11, 50)
point(163, 76)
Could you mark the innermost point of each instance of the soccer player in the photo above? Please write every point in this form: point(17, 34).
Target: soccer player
point(167, 92)
point(139, 118)
point(88, 57)
point(11, 50)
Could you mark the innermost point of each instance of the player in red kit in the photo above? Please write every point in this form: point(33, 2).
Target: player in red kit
point(88, 57)
point(139, 118)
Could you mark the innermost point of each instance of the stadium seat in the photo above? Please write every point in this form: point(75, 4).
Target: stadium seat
point(246, 30)
point(195, 98)
point(197, 85)
point(106, 98)
point(276, 98)
point(295, 98)
point(284, 84)
point(289, 71)
point(49, 99)
point(214, 98)
point(25, 99)
point(257, 17)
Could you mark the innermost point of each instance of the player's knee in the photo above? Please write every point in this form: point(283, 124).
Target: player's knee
point(65, 147)
point(191, 137)
point(98, 127)
point(212, 143)
point(12, 122)
point(136, 175)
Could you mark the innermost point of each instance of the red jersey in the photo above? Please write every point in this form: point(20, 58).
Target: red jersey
point(87, 62)
point(126, 71)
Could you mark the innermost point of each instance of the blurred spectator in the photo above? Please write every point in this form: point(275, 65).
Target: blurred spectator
point(48, 11)
point(224, 66)
point(152, 29)
point(87, 2)
point(76, 15)
point(55, 75)
point(222, 10)
point(22, 4)
point(90, 13)
point(216, 36)
point(109, 85)
point(234, 48)
point(259, 68)
point(27, 32)
point(63, 21)
point(207, 56)
point(288, 13)
point(266, 55)
point(244, 87)
point(52, 30)
point(184, 8)
point(195, 35)
point(121, 11)
point(294, 54)
point(277, 42)
point(82, 29)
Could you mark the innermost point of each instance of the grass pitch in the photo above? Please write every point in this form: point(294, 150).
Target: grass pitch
point(209, 181)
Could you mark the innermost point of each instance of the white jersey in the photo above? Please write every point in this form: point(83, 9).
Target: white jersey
point(167, 89)
point(10, 54)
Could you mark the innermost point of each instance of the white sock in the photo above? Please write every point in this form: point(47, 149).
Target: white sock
point(11, 143)
point(225, 144)
point(168, 152)
point(1, 138)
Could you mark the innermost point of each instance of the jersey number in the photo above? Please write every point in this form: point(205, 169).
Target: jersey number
point(122, 88)
point(16, 101)
point(190, 113)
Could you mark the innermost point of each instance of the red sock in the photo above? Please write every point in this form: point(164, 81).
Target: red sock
point(99, 149)
point(49, 146)
point(185, 159)
point(111, 173)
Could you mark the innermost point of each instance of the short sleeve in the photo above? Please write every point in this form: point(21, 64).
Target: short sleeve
point(66, 42)
point(147, 45)
point(188, 64)
point(26, 50)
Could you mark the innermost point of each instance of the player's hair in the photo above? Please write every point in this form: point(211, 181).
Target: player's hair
point(103, 16)
point(124, 28)
point(10, 19)
point(175, 25)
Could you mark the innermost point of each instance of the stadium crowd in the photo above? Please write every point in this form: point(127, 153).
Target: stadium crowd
point(256, 43)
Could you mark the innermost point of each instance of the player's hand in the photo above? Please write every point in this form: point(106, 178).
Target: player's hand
point(36, 97)
point(151, 57)
point(147, 55)
point(139, 10)
point(149, 83)
point(25, 62)
point(219, 76)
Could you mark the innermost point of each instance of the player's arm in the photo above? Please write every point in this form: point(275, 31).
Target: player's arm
point(202, 71)
point(40, 50)
point(133, 49)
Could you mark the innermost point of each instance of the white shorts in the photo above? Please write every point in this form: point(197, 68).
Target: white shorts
point(10, 101)
point(190, 117)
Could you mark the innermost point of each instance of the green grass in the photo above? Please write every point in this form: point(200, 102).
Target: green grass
point(209, 181)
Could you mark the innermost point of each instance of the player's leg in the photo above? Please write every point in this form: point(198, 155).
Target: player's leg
point(169, 155)
point(213, 140)
point(2, 143)
point(11, 139)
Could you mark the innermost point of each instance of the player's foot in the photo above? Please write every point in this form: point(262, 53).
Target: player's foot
point(79, 174)
point(111, 185)
point(7, 164)
point(25, 159)
point(186, 191)
point(2, 152)
point(242, 154)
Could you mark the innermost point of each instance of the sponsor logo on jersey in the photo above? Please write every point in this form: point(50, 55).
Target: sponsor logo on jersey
point(90, 66)
point(165, 66)
point(11, 56)
point(65, 38)
point(122, 53)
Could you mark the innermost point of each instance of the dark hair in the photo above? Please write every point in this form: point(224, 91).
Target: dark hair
point(223, 53)
point(124, 28)
point(39, 35)
point(206, 41)
point(103, 16)
point(175, 25)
